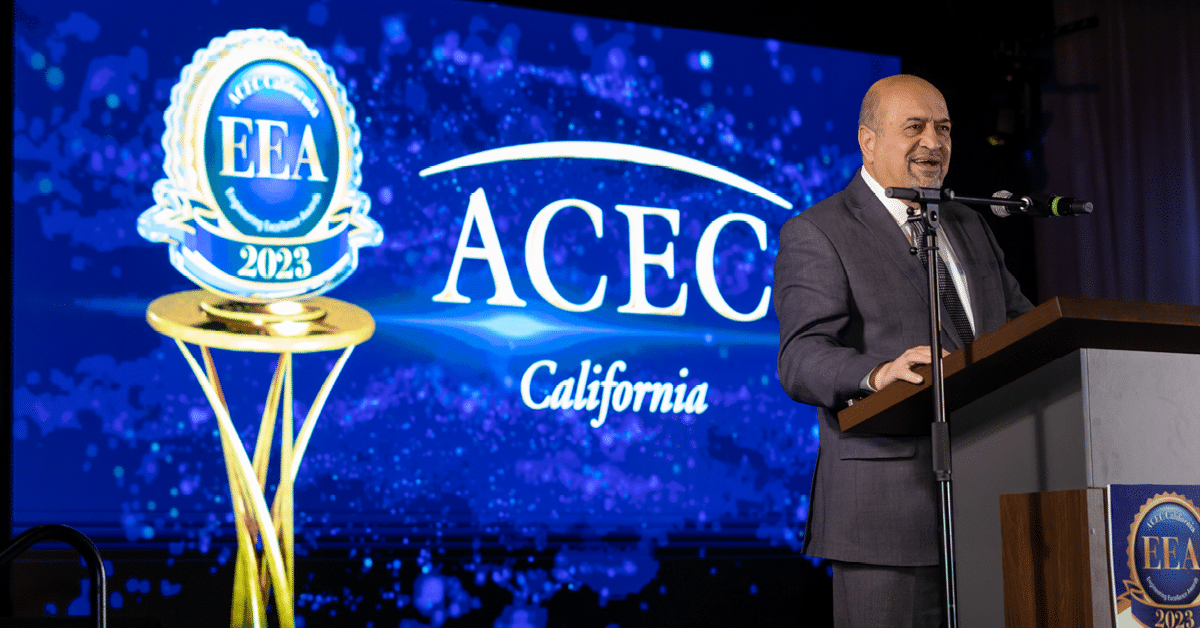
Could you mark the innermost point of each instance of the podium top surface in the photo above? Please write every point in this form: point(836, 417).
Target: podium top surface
point(1034, 339)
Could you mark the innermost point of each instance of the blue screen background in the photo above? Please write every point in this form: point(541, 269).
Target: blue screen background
point(425, 440)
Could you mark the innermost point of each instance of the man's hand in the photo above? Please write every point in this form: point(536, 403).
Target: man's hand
point(901, 368)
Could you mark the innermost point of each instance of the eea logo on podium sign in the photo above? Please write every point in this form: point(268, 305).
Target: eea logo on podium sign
point(261, 199)
point(1155, 543)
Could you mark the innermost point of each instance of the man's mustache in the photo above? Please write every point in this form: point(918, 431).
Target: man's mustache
point(926, 154)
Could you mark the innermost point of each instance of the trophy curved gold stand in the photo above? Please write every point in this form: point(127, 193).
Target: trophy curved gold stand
point(212, 321)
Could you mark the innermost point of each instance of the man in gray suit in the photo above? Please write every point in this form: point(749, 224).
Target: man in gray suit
point(853, 318)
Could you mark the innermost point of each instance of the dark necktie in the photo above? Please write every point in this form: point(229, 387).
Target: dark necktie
point(946, 289)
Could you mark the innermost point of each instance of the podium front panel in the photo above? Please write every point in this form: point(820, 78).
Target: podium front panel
point(1091, 418)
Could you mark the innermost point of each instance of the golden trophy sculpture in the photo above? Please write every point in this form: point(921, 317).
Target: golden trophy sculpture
point(261, 208)
point(286, 328)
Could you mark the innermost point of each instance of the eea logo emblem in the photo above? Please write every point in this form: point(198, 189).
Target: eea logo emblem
point(1163, 541)
point(261, 200)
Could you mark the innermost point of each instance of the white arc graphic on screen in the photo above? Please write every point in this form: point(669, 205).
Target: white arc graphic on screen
point(610, 151)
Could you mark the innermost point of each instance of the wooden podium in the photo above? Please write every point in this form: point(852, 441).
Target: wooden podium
point(1074, 394)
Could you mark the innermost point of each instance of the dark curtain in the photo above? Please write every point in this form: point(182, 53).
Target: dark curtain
point(1124, 132)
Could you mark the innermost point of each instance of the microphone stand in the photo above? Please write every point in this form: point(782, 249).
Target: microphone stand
point(928, 213)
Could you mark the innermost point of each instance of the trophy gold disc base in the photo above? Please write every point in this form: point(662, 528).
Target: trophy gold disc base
point(213, 321)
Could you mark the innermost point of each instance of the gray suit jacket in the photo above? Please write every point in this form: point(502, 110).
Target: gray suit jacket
point(850, 296)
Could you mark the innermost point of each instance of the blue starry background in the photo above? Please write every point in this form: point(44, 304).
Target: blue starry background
point(425, 449)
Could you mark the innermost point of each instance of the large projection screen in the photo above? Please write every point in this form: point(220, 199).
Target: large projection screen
point(588, 371)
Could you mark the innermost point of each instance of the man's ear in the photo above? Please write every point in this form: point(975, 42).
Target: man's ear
point(866, 143)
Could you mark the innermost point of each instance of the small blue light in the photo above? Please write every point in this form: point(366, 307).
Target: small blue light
point(54, 77)
point(394, 29)
point(579, 32)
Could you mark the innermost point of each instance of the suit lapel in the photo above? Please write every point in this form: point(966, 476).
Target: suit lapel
point(891, 243)
point(886, 237)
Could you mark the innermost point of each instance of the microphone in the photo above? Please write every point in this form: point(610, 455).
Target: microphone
point(1042, 206)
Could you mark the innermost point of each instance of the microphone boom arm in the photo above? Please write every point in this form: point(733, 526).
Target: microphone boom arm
point(1035, 205)
point(1021, 203)
point(913, 194)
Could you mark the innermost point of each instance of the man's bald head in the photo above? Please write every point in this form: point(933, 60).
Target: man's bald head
point(868, 113)
point(904, 132)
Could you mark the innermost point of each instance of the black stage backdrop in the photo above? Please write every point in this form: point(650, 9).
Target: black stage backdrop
point(1123, 109)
